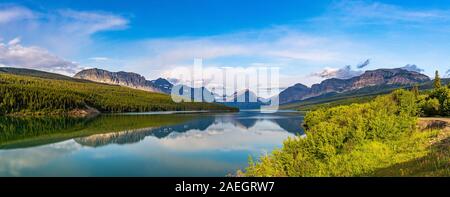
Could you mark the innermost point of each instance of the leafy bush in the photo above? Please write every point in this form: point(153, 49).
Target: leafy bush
point(429, 106)
point(435, 102)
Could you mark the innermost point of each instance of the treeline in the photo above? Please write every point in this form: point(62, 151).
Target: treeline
point(353, 140)
point(25, 94)
point(22, 128)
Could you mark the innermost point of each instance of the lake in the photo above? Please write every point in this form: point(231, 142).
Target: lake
point(167, 144)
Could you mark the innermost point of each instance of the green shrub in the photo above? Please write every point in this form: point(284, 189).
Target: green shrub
point(429, 107)
point(435, 102)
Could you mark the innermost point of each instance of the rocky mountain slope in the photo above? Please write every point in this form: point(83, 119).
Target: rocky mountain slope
point(127, 79)
point(369, 78)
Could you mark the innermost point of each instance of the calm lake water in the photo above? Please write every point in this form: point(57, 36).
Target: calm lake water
point(186, 144)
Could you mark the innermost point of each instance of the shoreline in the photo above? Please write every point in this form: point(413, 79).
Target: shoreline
point(90, 112)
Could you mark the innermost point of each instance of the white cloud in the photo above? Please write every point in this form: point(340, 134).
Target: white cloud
point(14, 54)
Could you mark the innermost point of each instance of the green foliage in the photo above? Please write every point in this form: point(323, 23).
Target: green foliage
point(435, 102)
point(429, 106)
point(351, 140)
point(26, 94)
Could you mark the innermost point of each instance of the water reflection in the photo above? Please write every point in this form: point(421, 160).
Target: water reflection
point(140, 145)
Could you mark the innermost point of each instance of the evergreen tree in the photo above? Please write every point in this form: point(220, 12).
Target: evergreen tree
point(437, 81)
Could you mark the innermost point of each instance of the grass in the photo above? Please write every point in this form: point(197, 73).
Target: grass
point(434, 159)
point(376, 155)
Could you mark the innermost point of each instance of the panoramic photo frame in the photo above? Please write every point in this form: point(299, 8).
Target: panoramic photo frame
point(224, 96)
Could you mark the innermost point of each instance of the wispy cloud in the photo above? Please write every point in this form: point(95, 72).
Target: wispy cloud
point(90, 22)
point(14, 13)
point(282, 43)
point(340, 73)
point(286, 47)
point(412, 67)
point(375, 12)
point(67, 20)
point(363, 64)
point(447, 73)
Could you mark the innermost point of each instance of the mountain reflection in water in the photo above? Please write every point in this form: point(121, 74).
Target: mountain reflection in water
point(245, 120)
point(188, 144)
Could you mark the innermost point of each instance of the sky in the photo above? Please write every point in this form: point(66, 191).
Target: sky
point(308, 41)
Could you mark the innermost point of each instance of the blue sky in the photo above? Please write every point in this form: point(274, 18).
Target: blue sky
point(308, 40)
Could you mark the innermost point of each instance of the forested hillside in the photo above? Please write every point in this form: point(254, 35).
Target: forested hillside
point(36, 95)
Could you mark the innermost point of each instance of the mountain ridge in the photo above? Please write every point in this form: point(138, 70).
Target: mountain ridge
point(379, 77)
point(128, 79)
point(395, 76)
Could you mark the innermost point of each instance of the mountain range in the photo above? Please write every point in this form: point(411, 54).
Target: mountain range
point(385, 77)
point(247, 99)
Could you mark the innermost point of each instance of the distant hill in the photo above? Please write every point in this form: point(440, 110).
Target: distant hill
point(37, 73)
point(378, 79)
